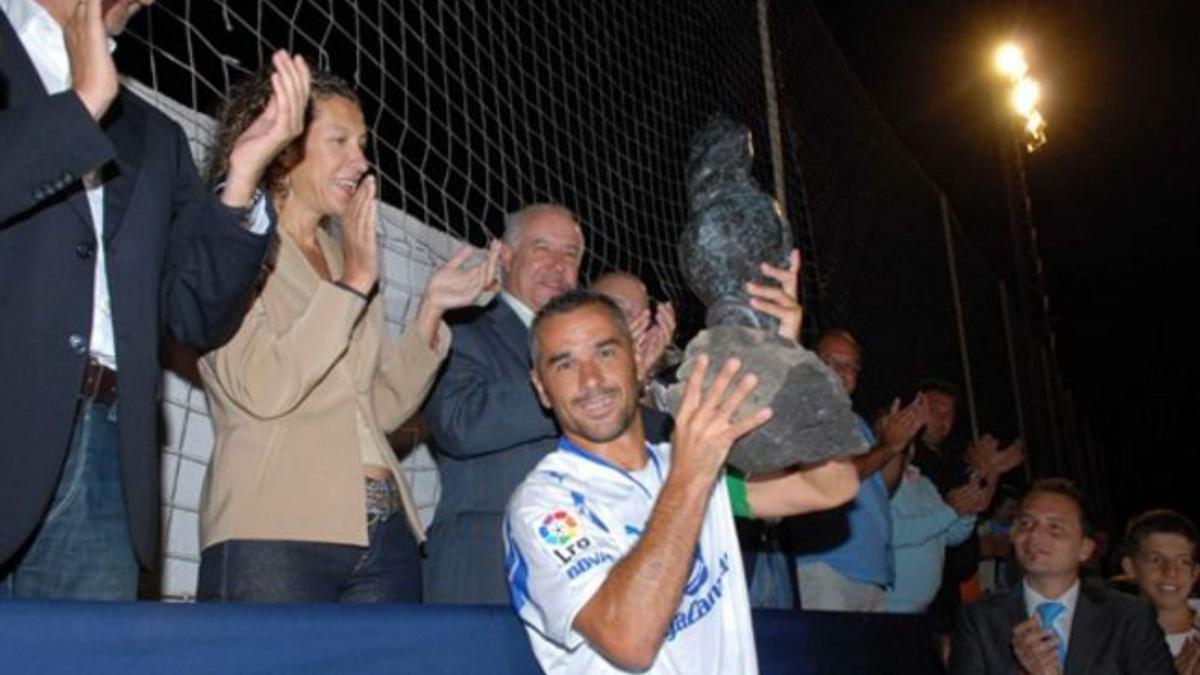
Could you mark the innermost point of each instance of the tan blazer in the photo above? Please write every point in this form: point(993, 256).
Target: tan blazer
point(284, 394)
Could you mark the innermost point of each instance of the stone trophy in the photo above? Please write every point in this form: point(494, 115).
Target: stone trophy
point(733, 227)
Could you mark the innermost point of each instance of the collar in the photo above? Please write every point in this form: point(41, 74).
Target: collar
point(566, 445)
point(25, 15)
point(43, 40)
point(1070, 600)
point(519, 308)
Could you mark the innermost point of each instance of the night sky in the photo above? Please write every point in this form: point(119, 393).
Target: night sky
point(1113, 193)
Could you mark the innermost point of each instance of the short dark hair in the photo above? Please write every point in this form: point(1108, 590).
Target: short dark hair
point(937, 386)
point(1160, 521)
point(1064, 487)
point(567, 302)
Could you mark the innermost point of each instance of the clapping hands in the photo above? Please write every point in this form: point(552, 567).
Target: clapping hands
point(651, 338)
point(985, 456)
point(280, 122)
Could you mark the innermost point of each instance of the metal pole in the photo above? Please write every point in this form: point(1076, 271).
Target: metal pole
point(1052, 410)
point(958, 315)
point(1016, 379)
point(773, 130)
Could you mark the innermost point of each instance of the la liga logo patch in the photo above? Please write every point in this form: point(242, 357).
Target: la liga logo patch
point(559, 528)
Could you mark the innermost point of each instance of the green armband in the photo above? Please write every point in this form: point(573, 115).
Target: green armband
point(736, 484)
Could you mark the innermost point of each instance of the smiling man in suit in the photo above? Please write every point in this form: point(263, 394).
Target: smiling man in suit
point(107, 239)
point(1053, 623)
point(489, 427)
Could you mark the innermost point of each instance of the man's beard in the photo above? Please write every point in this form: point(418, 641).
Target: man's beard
point(604, 431)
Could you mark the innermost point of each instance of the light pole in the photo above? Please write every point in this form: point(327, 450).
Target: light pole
point(1023, 130)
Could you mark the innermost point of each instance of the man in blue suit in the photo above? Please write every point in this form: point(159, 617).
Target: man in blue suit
point(489, 428)
point(107, 239)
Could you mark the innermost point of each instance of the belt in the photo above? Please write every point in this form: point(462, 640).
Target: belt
point(383, 498)
point(99, 383)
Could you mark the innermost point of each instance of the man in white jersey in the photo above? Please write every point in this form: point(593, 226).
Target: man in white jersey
point(622, 556)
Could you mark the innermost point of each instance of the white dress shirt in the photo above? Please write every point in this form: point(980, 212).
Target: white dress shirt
point(522, 310)
point(42, 38)
point(1068, 600)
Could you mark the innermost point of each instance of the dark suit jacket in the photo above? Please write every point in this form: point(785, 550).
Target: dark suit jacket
point(177, 261)
point(1111, 633)
point(489, 430)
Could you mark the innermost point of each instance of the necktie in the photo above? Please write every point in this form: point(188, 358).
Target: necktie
point(1048, 613)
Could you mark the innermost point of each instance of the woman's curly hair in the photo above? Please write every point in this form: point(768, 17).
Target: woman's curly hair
point(246, 102)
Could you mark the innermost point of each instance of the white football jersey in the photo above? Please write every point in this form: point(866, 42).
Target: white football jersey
point(573, 518)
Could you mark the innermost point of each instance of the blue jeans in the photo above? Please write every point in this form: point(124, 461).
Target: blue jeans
point(82, 550)
point(249, 570)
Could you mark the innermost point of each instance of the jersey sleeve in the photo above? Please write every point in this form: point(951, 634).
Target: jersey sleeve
point(558, 553)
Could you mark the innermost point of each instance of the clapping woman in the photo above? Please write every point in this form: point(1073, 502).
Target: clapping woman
point(304, 499)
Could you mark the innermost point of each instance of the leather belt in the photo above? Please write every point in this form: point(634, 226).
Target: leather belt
point(99, 383)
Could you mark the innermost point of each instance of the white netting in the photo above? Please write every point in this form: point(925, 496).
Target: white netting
point(475, 108)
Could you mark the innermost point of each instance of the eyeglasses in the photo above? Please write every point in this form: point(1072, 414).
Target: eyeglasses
point(840, 366)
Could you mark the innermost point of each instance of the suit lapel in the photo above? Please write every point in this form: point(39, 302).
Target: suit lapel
point(511, 329)
point(1087, 632)
point(123, 125)
point(1014, 607)
point(20, 82)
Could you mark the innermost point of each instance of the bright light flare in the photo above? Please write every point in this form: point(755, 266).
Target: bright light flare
point(1035, 131)
point(1025, 97)
point(1024, 93)
point(1010, 62)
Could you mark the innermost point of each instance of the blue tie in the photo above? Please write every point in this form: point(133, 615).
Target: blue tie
point(1048, 613)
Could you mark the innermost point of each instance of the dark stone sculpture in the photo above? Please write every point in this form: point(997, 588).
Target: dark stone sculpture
point(734, 227)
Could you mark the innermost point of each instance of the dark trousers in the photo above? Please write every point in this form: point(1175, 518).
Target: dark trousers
point(81, 550)
point(247, 570)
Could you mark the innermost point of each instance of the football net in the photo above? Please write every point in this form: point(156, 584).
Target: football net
point(474, 108)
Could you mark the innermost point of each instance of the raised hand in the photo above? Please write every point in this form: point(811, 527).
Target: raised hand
point(93, 74)
point(1036, 648)
point(1009, 458)
point(900, 426)
point(458, 283)
point(360, 250)
point(651, 339)
point(981, 453)
point(967, 500)
point(780, 302)
point(974, 497)
point(280, 123)
point(705, 428)
point(985, 456)
point(664, 320)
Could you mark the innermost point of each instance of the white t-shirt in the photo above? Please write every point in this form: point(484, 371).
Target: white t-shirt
point(573, 518)
point(1175, 640)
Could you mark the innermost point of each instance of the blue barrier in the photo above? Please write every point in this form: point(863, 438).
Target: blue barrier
point(76, 638)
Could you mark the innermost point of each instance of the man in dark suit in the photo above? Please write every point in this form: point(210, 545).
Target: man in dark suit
point(1052, 623)
point(488, 426)
point(107, 238)
point(487, 423)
